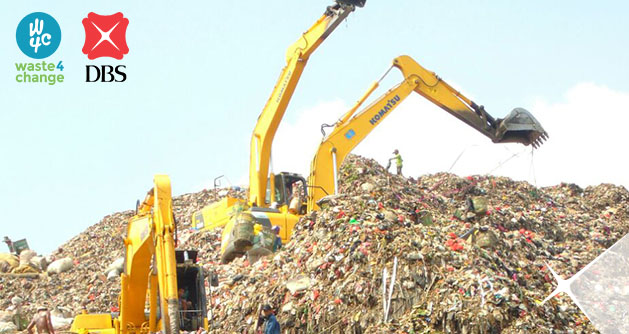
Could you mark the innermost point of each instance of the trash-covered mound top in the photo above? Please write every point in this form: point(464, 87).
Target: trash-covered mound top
point(470, 252)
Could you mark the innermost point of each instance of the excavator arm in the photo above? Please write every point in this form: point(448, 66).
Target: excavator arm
point(271, 116)
point(518, 127)
point(150, 263)
point(150, 266)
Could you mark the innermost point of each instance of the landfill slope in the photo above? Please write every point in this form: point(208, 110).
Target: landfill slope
point(85, 284)
point(459, 270)
point(328, 279)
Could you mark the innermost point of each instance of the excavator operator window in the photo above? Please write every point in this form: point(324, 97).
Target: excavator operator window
point(295, 192)
point(190, 280)
point(279, 191)
point(285, 185)
point(267, 198)
point(280, 194)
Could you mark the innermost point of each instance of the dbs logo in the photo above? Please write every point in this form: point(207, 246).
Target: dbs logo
point(105, 36)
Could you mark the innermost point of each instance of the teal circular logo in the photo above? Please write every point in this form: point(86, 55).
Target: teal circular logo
point(38, 35)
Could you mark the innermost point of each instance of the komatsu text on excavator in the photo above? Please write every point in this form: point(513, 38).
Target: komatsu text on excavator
point(154, 273)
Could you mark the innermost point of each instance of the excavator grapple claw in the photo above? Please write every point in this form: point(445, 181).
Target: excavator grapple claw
point(521, 127)
point(357, 3)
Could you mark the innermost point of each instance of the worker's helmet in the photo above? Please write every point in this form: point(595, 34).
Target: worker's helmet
point(396, 151)
point(275, 228)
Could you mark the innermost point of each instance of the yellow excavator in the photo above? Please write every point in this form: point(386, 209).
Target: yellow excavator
point(154, 274)
point(519, 126)
point(268, 205)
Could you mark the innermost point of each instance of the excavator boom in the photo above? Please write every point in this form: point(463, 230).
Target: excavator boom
point(271, 116)
point(268, 196)
point(517, 127)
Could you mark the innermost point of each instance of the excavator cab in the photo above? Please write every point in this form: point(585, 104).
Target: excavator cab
point(285, 202)
point(520, 127)
point(289, 189)
point(190, 281)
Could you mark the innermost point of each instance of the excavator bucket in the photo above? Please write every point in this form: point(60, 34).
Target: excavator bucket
point(521, 127)
point(357, 3)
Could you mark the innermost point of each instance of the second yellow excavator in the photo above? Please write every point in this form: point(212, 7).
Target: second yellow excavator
point(519, 126)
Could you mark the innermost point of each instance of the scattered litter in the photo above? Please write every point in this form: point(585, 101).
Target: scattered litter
point(470, 251)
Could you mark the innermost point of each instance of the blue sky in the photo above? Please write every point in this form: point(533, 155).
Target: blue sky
point(200, 73)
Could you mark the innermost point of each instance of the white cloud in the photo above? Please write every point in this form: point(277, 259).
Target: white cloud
point(587, 136)
point(295, 143)
point(585, 145)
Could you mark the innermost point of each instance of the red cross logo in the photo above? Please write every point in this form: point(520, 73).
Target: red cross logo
point(105, 36)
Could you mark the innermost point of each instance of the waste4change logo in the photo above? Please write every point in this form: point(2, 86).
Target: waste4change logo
point(38, 36)
point(105, 36)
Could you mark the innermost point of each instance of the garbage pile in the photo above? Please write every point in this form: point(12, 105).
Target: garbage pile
point(28, 262)
point(74, 279)
point(441, 253)
point(85, 271)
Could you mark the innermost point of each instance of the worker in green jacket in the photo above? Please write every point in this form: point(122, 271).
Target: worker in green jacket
point(398, 161)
